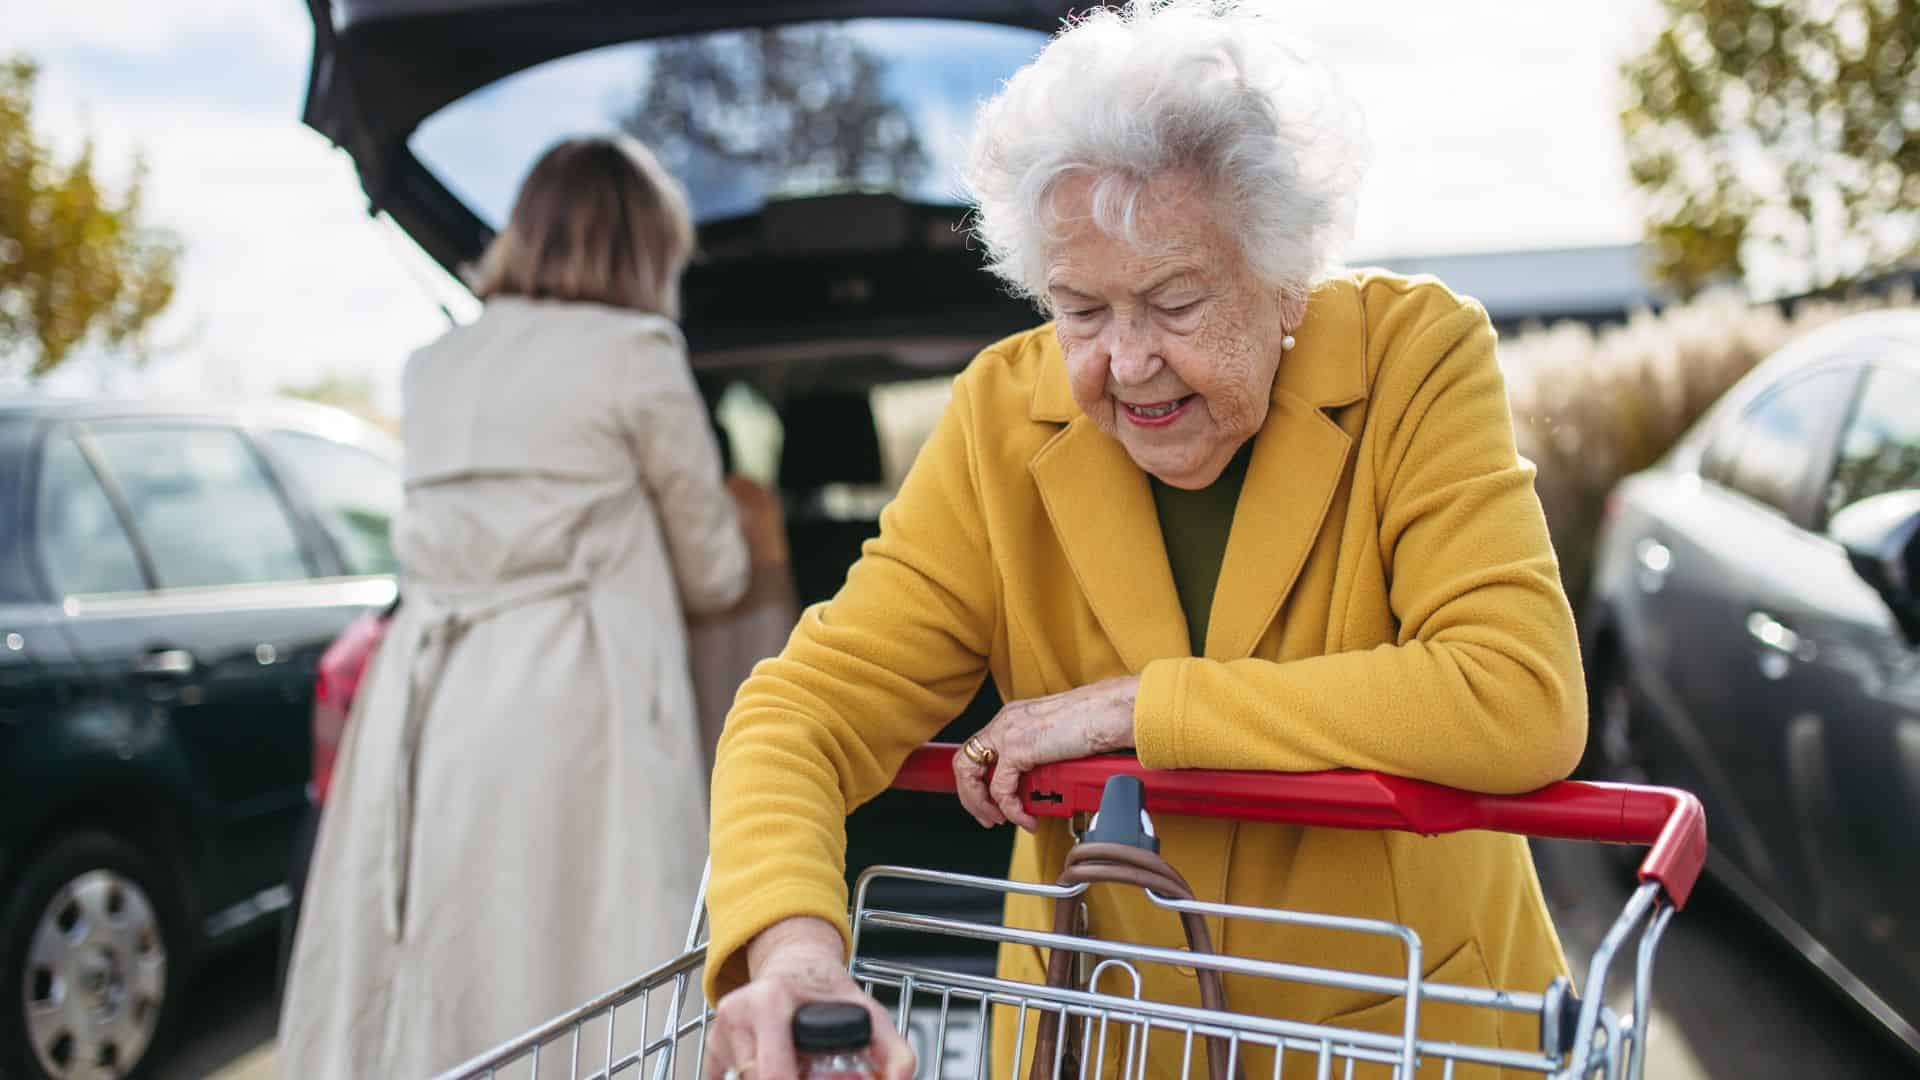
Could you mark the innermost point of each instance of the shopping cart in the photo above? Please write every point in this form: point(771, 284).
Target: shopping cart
point(655, 1026)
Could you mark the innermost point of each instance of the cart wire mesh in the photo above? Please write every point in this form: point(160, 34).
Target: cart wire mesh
point(656, 1025)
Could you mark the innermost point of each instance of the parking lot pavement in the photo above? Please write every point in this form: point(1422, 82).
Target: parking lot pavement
point(1730, 1001)
point(227, 1030)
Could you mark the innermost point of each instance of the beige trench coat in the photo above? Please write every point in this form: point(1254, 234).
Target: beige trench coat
point(518, 819)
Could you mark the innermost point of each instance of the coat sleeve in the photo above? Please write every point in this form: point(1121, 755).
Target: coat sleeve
point(865, 679)
point(680, 466)
point(1483, 687)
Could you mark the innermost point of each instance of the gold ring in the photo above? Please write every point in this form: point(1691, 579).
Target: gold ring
point(978, 752)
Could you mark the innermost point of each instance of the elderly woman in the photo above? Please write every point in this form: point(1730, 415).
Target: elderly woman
point(1230, 509)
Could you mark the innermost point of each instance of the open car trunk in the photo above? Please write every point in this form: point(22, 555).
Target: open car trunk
point(810, 302)
point(844, 273)
point(381, 67)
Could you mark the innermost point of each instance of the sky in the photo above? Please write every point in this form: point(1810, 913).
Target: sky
point(1492, 125)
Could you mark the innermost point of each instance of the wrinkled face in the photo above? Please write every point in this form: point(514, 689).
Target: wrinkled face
point(1171, 347)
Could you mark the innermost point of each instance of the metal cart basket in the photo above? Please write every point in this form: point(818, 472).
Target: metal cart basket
point(655, 1025)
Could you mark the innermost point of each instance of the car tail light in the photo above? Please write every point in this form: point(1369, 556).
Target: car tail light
point(338, 679)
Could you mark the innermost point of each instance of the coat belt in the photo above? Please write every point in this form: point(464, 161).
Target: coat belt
point(442, 616)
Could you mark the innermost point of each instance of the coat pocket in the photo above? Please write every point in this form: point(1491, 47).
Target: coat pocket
point(1439, 1022)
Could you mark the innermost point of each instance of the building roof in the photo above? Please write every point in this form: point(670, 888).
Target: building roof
point(1588, 283)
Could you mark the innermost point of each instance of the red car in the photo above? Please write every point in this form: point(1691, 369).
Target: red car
point(335, 681)
point(334, 684)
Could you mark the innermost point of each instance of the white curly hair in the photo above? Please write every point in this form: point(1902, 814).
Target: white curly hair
point(1211, 88)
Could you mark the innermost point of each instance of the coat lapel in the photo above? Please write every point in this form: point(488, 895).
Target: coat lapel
point(1297, 461)
point(1102, 509)
point(1299, 457)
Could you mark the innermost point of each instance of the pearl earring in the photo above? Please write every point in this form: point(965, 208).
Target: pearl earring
point(1287, 343)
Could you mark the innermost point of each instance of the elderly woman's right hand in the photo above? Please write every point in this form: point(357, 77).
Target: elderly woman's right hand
point(793, 962)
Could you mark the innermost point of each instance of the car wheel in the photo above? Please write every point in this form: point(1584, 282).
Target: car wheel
point(91, 960)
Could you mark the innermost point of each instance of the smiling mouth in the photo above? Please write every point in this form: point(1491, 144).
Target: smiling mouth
point(1156, 413)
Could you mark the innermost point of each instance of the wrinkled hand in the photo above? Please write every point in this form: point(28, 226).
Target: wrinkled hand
point(1094, 719)
point(794, 962)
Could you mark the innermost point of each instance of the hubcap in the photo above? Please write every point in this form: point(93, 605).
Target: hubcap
point(96, 978)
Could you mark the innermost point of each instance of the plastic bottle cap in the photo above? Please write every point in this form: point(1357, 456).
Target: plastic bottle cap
point(831, 1025)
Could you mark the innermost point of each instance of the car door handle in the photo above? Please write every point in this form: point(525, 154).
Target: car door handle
point(1653, 556)
point(165, 664)
point(1772, 633)
point(1781, 644)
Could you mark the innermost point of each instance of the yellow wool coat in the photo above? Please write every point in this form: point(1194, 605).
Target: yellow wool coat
point(1389, 600)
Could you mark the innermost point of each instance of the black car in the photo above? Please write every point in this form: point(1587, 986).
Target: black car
point(168, 580)
point(1755, 637)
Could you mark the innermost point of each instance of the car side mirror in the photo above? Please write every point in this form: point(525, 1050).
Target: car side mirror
point(1881, 536)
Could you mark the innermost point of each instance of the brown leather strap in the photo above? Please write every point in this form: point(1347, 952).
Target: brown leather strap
point(1121, 864)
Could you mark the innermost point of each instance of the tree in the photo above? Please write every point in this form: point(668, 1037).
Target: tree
point(804, 106)
point(76, 263)
point(1778, 137)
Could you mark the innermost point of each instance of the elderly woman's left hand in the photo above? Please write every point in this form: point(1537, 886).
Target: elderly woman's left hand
point(1093, 719)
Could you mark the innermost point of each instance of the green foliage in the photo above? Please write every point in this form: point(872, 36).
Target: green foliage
point(76, 264)
point(1781, 135)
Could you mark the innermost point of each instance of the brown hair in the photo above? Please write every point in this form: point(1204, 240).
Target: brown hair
point(598, 219)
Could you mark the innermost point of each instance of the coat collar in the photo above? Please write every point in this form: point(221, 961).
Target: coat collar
point(1101, 507)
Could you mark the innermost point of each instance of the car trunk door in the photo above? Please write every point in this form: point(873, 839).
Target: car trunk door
point(380, 67)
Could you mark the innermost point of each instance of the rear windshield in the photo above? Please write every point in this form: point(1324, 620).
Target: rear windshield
point(744, 117)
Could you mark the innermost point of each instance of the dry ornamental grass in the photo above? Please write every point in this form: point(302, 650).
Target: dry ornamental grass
point(1591, 407)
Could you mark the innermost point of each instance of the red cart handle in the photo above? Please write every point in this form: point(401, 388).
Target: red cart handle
point(1668, 819)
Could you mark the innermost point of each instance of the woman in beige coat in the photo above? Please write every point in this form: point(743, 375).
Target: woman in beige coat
point(518, 821)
